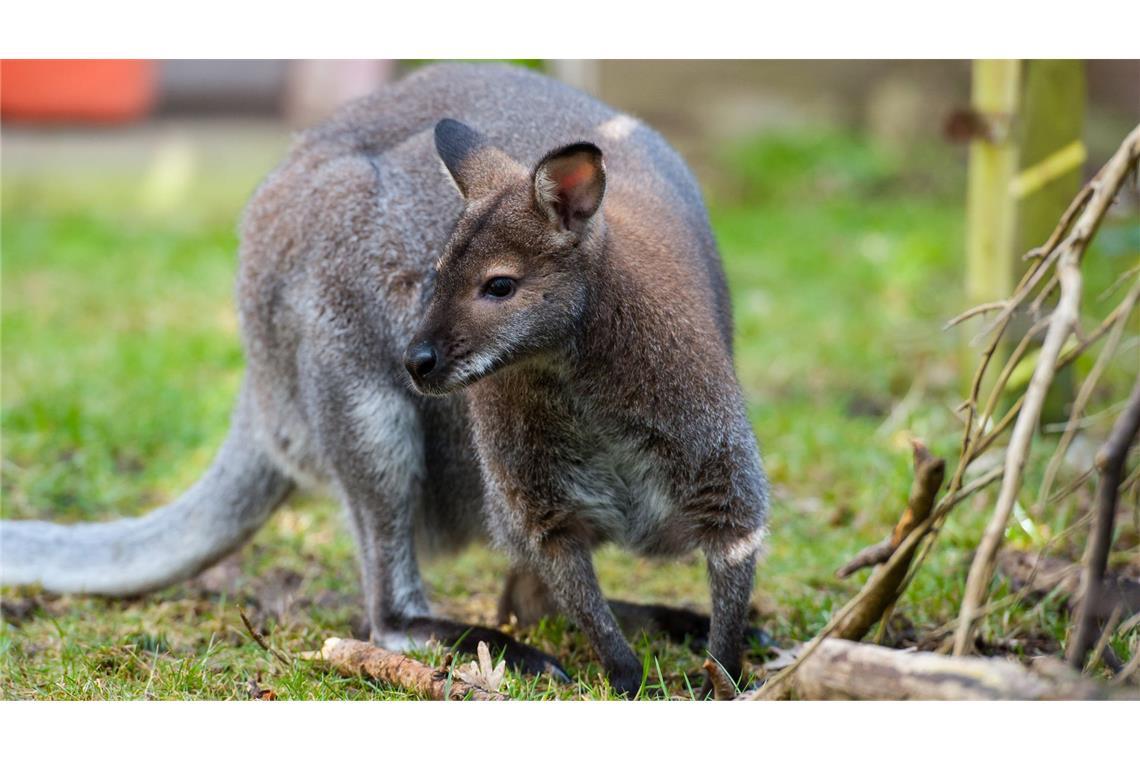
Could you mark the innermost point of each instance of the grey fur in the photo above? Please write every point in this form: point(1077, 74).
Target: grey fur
point(629, 426)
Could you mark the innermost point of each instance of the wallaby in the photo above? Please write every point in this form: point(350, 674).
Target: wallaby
point(486, 229)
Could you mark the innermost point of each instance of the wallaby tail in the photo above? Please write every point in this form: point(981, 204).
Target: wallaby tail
point(233, 499)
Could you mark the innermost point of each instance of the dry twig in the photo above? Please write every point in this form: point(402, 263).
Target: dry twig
point(1062, 323)
point(1110, 462)
point(261, 642)
point(927, 468)
point(1085, 393)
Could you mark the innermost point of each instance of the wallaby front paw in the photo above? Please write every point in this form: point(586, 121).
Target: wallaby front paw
point(626, 681)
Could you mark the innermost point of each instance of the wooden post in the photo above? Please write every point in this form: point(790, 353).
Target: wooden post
point(1025, 167)
point(990, 207)
point(1051, 155)
point(1050, 151)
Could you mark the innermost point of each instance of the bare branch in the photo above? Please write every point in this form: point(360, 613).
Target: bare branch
point(973, 311)
point(1085, 393)
point(928, 474)
point(1062, 323)
point(260, 641)
point(1110, 462)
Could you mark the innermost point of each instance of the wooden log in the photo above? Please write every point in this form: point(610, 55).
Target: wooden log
point(850, 670)
point(357, 658)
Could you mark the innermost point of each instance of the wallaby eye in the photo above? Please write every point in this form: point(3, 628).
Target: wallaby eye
point(499, 287)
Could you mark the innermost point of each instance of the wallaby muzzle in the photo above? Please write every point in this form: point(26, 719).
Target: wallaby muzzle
point(421, 360)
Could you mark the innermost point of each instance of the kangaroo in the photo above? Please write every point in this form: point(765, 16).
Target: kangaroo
point(477, 302)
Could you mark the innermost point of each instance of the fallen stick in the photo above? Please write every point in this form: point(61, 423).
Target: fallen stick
point(850, 670)
point(355, 658)
point(883, 584)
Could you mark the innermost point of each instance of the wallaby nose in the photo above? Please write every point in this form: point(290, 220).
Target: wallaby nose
point(420, 359)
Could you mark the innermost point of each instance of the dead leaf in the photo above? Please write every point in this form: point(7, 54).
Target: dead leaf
point(256, 692)
point(482, 674)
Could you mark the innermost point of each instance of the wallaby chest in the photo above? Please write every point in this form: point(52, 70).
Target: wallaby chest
point(549, 449)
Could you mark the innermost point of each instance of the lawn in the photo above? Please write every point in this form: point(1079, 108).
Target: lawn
point(121, 359)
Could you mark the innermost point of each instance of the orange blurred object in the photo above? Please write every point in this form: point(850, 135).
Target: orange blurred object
point(105, 91)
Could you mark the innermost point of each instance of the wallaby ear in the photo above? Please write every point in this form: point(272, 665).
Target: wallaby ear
point(569, 184)
point(470, 159)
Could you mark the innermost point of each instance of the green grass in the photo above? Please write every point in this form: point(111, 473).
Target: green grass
point(121, 360)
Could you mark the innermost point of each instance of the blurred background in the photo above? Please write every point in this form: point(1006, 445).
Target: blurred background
point(699, 105)
point(858, 206)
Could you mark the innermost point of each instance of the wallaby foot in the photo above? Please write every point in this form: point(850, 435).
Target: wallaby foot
point(566, 570)
point(465, 638)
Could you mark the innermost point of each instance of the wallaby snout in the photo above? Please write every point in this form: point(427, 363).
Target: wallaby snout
point(421, 360)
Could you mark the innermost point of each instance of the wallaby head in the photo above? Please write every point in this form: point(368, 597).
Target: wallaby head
point(513, 279)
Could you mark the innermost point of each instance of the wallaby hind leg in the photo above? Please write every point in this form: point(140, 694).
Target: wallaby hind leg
point(377, 445)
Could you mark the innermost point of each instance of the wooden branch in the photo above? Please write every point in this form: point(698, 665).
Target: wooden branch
point(357, 658)
point(926, 467)
point(875, 554)
point(982, 568)
point(1061, 325)
point(974, 311)
point(1085, 393)
point(1110, 462)
point(850, 670)
point(887, 583)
